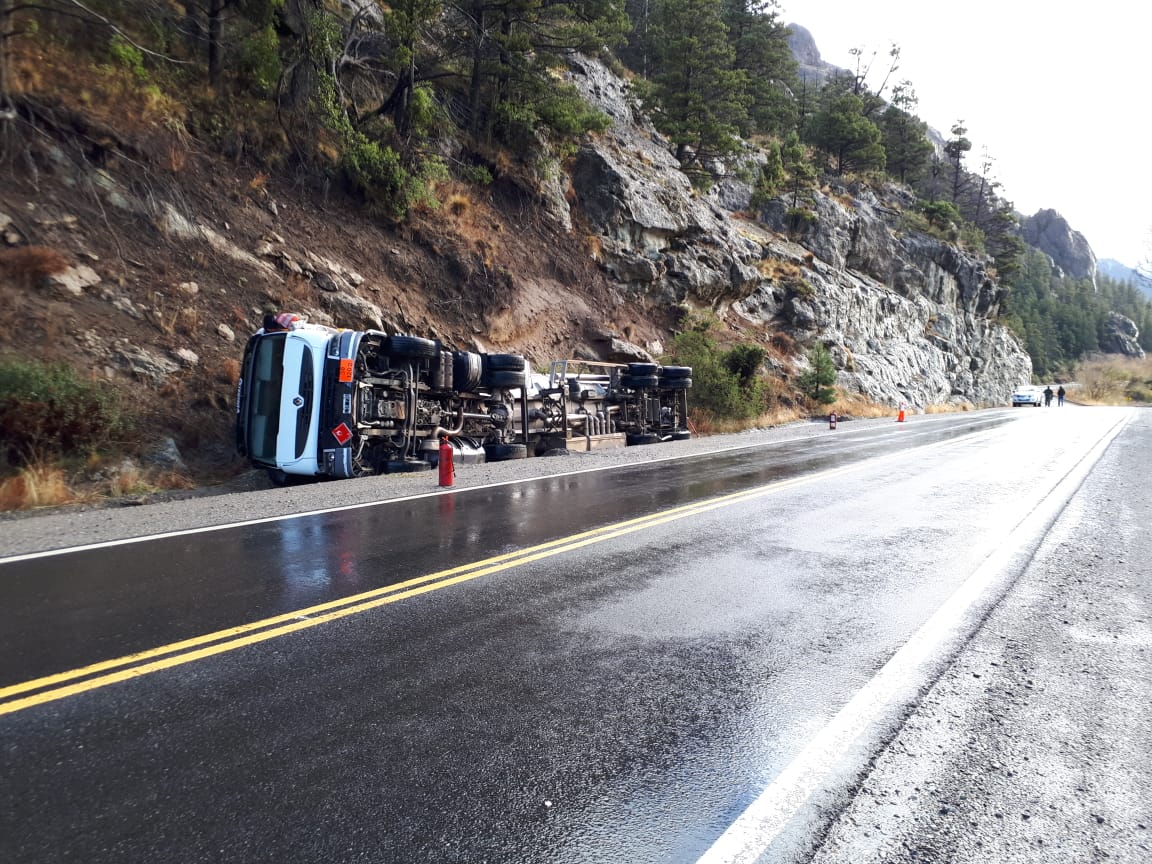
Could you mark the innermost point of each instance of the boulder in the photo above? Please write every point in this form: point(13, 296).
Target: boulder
point(73, 281)
point(1120, 336)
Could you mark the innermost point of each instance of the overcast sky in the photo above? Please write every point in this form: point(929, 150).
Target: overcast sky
point(1058, 93)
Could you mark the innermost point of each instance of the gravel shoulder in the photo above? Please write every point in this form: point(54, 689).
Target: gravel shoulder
point(251, 498)
point(1034, 745)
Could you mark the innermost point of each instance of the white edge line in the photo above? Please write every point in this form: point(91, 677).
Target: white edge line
point(749, 836)
point(203, 529)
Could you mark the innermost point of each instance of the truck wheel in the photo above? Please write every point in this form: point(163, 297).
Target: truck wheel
point(411, 347)
point(505, 452)
point(635, 439)
point(510, 362)
point(466, 371)
point(642, 369)
point(407, 466)
point(681, 435)
point(505, 378)
point(670, 373)
point(677, 384)
point(639, 382)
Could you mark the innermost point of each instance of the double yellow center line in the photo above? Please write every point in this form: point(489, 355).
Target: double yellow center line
point(38, 691)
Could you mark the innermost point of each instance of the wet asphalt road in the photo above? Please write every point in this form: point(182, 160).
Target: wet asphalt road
point(620, 697)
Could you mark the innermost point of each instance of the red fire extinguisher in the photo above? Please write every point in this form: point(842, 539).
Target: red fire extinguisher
point(832, 420)
point(447, 469)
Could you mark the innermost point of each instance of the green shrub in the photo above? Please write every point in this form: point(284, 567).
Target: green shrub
point(941, 214)
point(724, 383)
point(50, 409)
point(744, 361)
point(127, 56)
point(817, 382)
point(258, 60)
point(1139, 393)
point(799, 220)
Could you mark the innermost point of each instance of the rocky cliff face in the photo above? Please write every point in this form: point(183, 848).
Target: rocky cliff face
point(907, 317)
point(812, 67)
point(1050, 232)
point(1121, 336)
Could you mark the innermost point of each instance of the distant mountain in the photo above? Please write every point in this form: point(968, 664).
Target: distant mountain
point(1113, 269)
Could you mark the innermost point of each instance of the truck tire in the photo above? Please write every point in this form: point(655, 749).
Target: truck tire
point(411, 347)
point(677, 384)
point(639, 382)
point(509, 362)
point(406, 466)
point(505, 452)
point(466, 371)
point(681, 435)
point(671, 373)
point(642, 369)
point(636, 439)
point(505, 378)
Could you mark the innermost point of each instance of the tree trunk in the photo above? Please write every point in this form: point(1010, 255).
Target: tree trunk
point(6, 29)
point(477, 63)
point(215, 48)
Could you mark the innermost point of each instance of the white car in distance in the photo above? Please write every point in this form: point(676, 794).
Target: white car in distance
point(1028, 394)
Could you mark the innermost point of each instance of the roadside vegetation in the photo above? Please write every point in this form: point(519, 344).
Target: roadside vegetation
point(1061, 320)
point(64, 439)
point(744, 386)
point(1113, 381)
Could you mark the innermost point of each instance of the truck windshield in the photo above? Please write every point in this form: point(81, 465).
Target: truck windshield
point(267, 379)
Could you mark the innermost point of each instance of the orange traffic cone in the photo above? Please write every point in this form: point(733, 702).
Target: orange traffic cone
point(900, 416)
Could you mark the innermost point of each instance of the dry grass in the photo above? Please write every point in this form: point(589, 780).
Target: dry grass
point(458, 204)
point(949, 408)
point(28, 266)
point(706, 423)
point(229, 372)
point(39, 484)
point(188, 321)
point(780, 269)
point(128, 480)
point(860, 407)
point(1113, 381)
point(44, 483)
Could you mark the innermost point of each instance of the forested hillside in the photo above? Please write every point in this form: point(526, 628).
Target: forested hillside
point(386, 102)
point(1063, 319)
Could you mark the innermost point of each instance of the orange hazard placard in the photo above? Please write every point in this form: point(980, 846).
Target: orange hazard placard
point(345, 371)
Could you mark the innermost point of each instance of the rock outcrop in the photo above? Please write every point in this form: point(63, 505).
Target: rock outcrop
point(1050, 232)
point(907, 317)
point(811, 67)
point(1120, 336)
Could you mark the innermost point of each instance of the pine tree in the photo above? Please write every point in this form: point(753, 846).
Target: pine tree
point(905, 139)
point(816, 383)
point(760, 45)
point(842, 131)
point(955, 149)
point(701, 101)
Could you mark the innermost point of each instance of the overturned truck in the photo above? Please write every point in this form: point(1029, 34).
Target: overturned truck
point(314, 401)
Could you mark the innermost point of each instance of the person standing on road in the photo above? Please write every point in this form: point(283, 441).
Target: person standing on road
point(1060, 397)
point(1048, 396)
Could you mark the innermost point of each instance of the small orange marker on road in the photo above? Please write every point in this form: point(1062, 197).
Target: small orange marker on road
point(900, 416)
